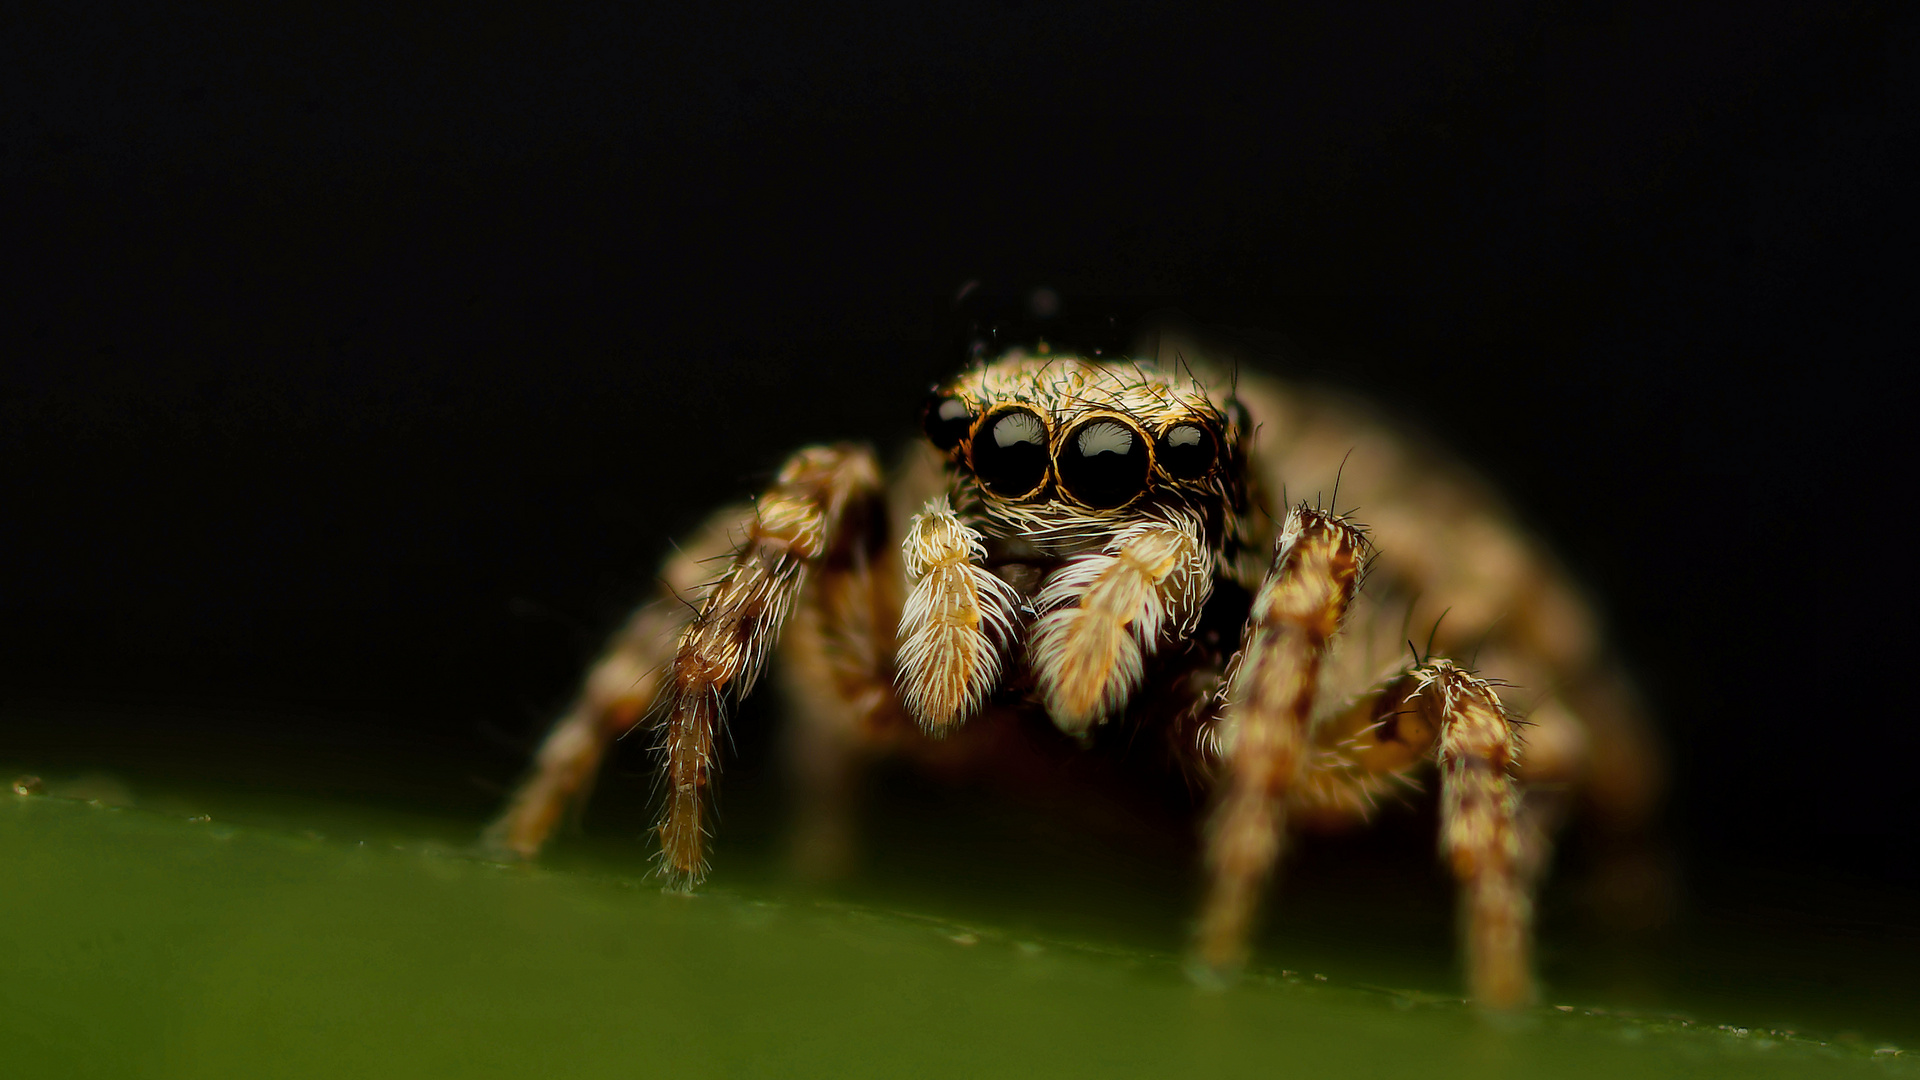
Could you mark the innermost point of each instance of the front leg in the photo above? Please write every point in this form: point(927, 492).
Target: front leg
point(722, 650)
point(615, 696)
point(684, 665)
point(1263, 735)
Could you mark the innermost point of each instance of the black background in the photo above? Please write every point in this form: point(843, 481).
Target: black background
point(357, 365)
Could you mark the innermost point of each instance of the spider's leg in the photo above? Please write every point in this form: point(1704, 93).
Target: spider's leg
point(720, 653)
point(1480, 836)
point(1512, 612)
point(1493, 836)
point(958, 621)
point(836, 668)
point(616, 694)
point(1262, 738)
point(1104, 612)
point(710, 656)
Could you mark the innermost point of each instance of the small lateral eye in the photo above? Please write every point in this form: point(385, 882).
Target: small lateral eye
point(945, 420)
point(1187, 451)
point(1010, 453)
point(1104, 464)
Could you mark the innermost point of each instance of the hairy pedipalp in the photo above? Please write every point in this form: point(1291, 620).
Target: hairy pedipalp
point(1104, 612)
point(957, 621)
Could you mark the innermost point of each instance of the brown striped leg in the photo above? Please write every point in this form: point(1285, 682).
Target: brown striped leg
point(719, 656)
point(1262, 739)
point(1495, 845)
point(1479, 830)
point(616, 694)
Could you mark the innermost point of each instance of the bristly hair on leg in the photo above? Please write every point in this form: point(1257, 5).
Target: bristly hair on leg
point(1478, 752)
point(1265, 735)
point(722, 650)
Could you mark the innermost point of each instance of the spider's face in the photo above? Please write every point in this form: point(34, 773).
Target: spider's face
point(1064, 452)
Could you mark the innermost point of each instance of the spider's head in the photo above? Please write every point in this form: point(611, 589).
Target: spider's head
point(1064, 452)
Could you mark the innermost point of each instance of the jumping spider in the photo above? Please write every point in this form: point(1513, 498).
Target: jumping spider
point(1055, 547)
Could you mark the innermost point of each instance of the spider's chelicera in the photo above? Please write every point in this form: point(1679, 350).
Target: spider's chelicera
point(1060, 539)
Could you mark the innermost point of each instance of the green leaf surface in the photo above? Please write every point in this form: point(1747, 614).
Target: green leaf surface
point(142, 943)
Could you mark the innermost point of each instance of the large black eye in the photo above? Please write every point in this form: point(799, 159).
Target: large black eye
point(1187, 451)
point(1104, 464)
point(1010, 453)
point(945, 420)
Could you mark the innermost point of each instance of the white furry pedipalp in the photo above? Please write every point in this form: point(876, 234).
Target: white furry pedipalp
point(956, 623)
point(1105, 612)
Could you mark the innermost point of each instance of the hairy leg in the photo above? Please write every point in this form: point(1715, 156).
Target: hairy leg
point(678, 659)
point(1262, 738)
point(1495, 838)
point(1479, 833)
point(615, 696)
point(722, 650)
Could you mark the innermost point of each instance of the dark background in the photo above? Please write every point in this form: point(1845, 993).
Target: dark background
point(357, 365)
